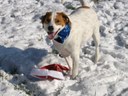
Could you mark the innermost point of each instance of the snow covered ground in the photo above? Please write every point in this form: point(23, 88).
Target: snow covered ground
point(23, 44)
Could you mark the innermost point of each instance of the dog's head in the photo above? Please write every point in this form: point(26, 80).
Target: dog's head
point(54, 22)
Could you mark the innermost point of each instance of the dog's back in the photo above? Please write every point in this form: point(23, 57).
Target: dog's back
point(86, 21)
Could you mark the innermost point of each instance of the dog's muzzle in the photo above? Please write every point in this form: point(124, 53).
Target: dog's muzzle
point(51, 35)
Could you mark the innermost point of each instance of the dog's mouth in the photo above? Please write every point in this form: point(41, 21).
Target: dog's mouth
point(51, 35)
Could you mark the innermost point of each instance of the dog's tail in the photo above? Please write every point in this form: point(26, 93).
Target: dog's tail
point(82, 3)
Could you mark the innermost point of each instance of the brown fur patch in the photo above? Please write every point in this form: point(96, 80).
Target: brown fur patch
point(62, 19)
point(46, 18)
point(59, 20)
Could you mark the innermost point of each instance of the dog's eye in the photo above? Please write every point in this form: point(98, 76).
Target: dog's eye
point(57, 21)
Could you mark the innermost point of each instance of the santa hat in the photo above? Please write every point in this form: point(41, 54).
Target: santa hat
point(50, 72)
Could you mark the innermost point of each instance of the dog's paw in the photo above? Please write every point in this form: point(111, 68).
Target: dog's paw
point(95, 59)
point(74, 75)
point(73, 78)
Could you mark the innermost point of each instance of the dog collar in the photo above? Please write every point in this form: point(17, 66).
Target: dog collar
point(63, 34)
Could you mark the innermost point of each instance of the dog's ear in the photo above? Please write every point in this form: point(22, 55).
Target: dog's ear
point(66, 18)
point(42, 18)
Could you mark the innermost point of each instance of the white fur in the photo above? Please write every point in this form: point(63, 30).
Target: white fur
point(85, 25)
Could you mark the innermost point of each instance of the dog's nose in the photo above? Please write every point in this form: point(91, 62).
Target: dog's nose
point(50, 28)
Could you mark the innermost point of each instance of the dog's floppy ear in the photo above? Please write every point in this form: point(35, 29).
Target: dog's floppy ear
point(66, 18)
point(42, 18)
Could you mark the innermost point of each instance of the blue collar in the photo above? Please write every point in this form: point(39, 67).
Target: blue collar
point(63, 34)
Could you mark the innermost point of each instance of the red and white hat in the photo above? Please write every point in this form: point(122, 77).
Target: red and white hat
point(50, 72)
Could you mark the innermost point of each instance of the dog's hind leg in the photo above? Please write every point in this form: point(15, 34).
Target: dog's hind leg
point(96, 38)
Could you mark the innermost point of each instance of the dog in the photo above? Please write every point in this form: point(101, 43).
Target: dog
point(68, 33)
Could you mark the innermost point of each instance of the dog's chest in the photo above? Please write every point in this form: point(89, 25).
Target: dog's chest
point(62, 50)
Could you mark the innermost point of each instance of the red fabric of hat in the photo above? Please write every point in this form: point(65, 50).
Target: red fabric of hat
point(50, 72)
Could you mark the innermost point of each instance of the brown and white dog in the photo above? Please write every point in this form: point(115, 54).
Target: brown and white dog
point(83, 24)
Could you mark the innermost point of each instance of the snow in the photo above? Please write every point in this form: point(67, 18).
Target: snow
point(23, 45)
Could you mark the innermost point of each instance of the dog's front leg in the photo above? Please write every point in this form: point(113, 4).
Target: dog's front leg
point(75, 58)
point(69, 63)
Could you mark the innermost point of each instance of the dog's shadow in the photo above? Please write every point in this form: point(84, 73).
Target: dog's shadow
point(16, 61)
